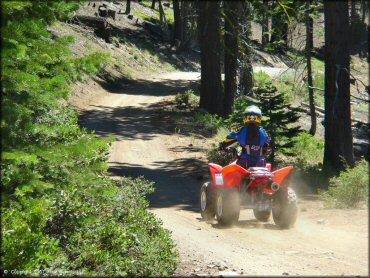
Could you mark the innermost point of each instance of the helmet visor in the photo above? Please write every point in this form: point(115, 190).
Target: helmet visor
point(252, 119)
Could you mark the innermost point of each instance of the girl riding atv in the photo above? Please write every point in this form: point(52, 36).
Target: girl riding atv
point(252, 138)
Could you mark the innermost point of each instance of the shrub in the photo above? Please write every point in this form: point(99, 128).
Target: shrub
point(307, 150)
point(207, 122)
point(99, 230)
point(280, 117)
point(60, 210)
point(182, 99)
point(214, 155)
point(188, 98)
point(350, 189)
point(113, 233)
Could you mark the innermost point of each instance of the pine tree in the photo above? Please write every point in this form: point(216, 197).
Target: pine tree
point(279, 118)
point(211, 94)
point(338, 132)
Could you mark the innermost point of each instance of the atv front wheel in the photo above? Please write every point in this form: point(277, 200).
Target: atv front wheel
point(227, 206)
point(262, 215)
point(284, 208)
point(207, 201)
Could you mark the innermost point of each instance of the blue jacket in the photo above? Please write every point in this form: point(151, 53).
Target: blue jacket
point(252, 147)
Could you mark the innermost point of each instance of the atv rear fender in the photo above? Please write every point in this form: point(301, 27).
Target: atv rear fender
point(281, 174)
point(230, 175)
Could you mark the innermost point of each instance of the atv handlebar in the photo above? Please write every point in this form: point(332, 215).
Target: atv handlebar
point(231, 150)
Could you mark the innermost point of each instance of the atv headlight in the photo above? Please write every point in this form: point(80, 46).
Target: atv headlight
point(219, 179)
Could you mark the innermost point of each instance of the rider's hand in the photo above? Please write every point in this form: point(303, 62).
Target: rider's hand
point(229, 149)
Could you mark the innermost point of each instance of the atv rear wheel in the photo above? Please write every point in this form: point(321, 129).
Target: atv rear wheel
point(284, 208)
point(262, 215)
point(207, 201)
point(227, 206)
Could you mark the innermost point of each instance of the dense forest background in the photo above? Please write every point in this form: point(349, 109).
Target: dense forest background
point(60, 209)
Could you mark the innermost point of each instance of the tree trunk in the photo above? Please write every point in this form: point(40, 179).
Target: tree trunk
point(274, 34)
point(161, 12)
point(231, 39)
point(338, 134)
point(177, 36)
point(309, 46)
point(163, 22)
point(210, 46)
point(246, 68)
point(284, 35)
point(128, 7)
point(265, 26)
point(353, 12)
point(280, 28)
point(153, 4)
point(185, 37)
point(364, 4)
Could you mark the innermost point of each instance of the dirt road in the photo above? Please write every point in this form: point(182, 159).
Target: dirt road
point(323, 242)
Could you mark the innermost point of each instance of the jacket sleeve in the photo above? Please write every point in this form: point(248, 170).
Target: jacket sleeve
point(267, 140)
point(230, 139)
point(266, 145)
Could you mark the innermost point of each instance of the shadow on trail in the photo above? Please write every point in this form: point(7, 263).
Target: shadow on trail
point(124, 122)
point(163, 87)
point(132, 122)
point(174, 187)
point(175, 181)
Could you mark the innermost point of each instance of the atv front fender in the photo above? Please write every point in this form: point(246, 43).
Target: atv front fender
point(281, 174)
point(230, 175)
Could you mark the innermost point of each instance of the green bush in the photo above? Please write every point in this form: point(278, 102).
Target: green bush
point(207, 122)
point(307, 150)
point(261, 78)
point(214, 155)
point(182, 99)
point(60, 210)
point(99, 230)
point(188, 98)
point(350, 189)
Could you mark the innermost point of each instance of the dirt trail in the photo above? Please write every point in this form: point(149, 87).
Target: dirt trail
point(323, 242)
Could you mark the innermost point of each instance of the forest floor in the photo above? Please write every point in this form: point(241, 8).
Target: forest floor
point(323, 242)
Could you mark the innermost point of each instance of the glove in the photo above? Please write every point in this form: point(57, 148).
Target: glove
point(229, 149)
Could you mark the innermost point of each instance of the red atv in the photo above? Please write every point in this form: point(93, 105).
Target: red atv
point(256, 187)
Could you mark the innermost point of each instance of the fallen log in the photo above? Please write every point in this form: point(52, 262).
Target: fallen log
point(112, 14)
point(101, 27)
point(361, 147)
point(321, 111)
point(104, 11)
point(94, 22)
point(316, 107)
point(308, 112)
